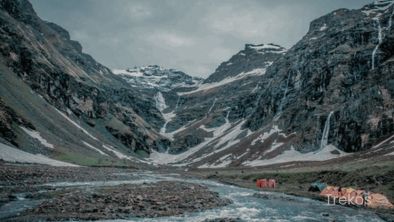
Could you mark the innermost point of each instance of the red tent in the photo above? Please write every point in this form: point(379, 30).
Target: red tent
point(266, 183)
point(261, 183)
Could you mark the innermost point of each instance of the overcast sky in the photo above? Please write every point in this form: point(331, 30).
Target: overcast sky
point(194, 36)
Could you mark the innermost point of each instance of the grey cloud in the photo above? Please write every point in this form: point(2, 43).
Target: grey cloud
point(191, 35)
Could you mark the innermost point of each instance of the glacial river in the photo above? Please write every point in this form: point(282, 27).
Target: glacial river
point(245, 206)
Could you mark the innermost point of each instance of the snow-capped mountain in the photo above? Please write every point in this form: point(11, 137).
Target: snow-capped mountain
point(156, 77)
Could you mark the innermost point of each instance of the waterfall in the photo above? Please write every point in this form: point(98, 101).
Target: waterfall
point(326, 131)
point(177, 103)
point(228, 113)
point(284, 94)
point(213, 104)
point(390, 20)
point(163, 129)
point(160, 101)
point(376, 19)
point(161, 106)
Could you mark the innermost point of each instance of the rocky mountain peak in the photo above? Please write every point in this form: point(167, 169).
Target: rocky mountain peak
point(250, 58)
point(156, 77)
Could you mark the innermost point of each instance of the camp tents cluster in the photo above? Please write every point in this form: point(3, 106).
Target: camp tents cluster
point(352, 196)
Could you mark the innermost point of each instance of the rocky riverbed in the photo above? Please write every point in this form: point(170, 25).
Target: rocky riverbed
point(159, 199)
point(41, 193)
point(54, 194)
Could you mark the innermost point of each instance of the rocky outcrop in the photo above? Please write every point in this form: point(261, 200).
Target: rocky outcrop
point(8, 118)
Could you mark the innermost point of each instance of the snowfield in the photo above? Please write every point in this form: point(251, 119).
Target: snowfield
point(11, 154)
point(207, 86)
point(36, 135)
point(327, 153)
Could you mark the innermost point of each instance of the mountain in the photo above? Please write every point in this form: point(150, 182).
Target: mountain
point(58, 101)
point(156, 77)
point(326, 97)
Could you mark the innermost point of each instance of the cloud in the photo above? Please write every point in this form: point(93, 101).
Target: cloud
point(194, 36)
point(166, 39)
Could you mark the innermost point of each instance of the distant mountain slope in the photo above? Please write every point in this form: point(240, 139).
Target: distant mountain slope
point(62, 95)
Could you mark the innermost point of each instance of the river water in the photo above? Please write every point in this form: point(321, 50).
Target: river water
point(245, 206)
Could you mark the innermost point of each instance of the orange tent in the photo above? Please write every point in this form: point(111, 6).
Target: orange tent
point(376, 200)
point(357, 197)
point(272, 183)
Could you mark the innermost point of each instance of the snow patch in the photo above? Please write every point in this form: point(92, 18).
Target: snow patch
point(36, 135)
point(114, 151)
point(76, 124)
point(323, 27)
point(207, 86)
point(11, 154)
point(222, 162)
point(266, 135)
point(293, 155)
point(94, 148)
point(128, 72)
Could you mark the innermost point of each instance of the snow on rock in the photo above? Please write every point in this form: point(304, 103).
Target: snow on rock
point(76, 124)
point(323, 27)
point(222, 162)
point(328, 152)
point(94, 148)
point(114, 151)
point(264, 48)
point(207, 86)
point(36, 135)
point(10, 154)
point(273, 147)
point(128, 72)
point(266, 135)
point(156, 77)
point(384, 141)
point(165, 158)
point(225, 139)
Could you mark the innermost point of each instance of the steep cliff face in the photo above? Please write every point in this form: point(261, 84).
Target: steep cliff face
point(331, 94)
point(42, 55)
point(342, 65)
